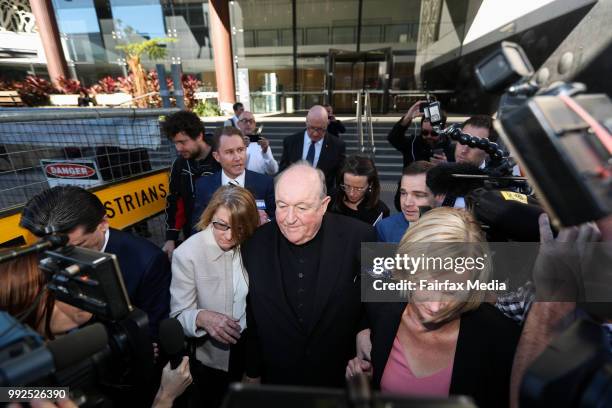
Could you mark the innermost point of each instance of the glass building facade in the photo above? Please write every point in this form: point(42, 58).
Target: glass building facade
point(310, 51)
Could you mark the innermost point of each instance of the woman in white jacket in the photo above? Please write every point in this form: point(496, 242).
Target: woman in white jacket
point(209, 288)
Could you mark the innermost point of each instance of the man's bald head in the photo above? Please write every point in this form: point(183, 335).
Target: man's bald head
point(301, 202)
point(306, 175)
point(316, 122)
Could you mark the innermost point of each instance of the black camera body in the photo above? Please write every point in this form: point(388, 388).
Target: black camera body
point(114, 348)
point(432, 111)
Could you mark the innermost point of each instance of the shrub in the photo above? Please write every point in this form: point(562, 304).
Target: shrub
point(205, 108)
point(34, 91)
point(68, 86)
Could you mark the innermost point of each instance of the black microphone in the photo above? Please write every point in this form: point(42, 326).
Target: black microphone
point(172, 341)
point(55, 356)
point(45, 243)
point(442, 179)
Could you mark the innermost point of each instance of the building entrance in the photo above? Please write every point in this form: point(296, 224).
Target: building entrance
point(350, 72)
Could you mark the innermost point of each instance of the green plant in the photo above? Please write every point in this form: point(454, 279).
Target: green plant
point(133, 53)
point(205, 108)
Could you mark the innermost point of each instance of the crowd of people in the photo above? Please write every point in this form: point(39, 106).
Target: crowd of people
point(261, 264)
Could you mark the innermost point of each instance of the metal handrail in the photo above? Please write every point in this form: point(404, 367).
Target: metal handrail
point(41, 114)
point(370, 126)
point(359, 120)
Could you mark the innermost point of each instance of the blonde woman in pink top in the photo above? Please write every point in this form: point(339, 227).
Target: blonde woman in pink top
point(442, 342)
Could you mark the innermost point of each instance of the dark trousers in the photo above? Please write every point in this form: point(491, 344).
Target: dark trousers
point(210, 385)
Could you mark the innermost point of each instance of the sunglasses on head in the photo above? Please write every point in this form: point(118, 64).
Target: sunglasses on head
point(427, 133)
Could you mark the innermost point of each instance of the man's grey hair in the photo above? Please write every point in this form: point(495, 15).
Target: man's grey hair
point(304, 163)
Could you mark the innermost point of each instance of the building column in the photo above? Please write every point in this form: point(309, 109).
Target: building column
point(222, 52)
point(49, 35)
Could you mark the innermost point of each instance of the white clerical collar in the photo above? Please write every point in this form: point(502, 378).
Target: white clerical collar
point(225, 180)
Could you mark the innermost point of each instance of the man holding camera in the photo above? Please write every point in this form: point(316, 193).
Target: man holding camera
point(259, 153)
point(428, 145)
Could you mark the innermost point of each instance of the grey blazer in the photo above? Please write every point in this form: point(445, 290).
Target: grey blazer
point(202, 278)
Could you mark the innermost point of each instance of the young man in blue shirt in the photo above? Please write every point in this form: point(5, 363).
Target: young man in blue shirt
point(414, 193)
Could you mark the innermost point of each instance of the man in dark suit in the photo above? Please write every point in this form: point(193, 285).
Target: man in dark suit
point(304, 306)
point(230, 151)
point(316, 146)
point(82, 216)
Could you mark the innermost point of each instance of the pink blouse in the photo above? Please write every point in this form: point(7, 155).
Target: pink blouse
point(399, 379)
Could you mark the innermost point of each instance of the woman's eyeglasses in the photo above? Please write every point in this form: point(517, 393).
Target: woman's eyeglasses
point(344, 187)
point(220, 226)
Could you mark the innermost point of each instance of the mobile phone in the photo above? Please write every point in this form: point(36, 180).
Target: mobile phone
point(438, 151)
point(254, 138)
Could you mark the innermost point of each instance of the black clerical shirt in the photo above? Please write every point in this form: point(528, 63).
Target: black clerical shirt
point(300, 270)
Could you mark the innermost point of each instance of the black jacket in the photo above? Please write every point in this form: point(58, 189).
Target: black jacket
point(412, 147)
point(279, 349)
point(179, 203)
point(483, 358)
point(331, 159)
point(146, 274)
point(335, 127)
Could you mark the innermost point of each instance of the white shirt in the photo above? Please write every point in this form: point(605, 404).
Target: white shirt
point(241, 289)
point(106, 236)
point(260, 162)
point(231, 122)
point(318, 147)
point(225, 180)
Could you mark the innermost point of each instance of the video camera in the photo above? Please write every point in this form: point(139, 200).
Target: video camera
point(561, 137)
point(557, 134)
point(113, 350)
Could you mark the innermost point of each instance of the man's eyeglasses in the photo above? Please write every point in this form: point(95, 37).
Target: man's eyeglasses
point(247, 121)
point(344, 187)
point(427, 133)
point(316, 129)
point(220, 226)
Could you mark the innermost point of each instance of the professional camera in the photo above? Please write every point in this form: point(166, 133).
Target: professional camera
point(113, 351)
point(432, 111)
point(558, 135)
point(561, 137)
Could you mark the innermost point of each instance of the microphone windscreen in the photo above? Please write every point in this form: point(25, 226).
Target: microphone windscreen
point(171, 336)
point(507, 217)
point(75, 347)
point(440, 179)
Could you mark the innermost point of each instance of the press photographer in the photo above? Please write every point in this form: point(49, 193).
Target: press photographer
point(426, 144)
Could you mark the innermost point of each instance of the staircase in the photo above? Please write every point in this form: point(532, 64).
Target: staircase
point(388, 160)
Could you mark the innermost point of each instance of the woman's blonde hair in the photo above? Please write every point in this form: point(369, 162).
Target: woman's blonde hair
point(242, 207)
point(456, 228)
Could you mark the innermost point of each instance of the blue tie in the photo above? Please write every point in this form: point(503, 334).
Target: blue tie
point(311, 153)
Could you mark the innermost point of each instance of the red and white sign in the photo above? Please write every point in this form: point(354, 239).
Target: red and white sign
point(80, 172)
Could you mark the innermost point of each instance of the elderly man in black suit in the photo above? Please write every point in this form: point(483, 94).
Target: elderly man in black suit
point(304, 305)
point(316, 146)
